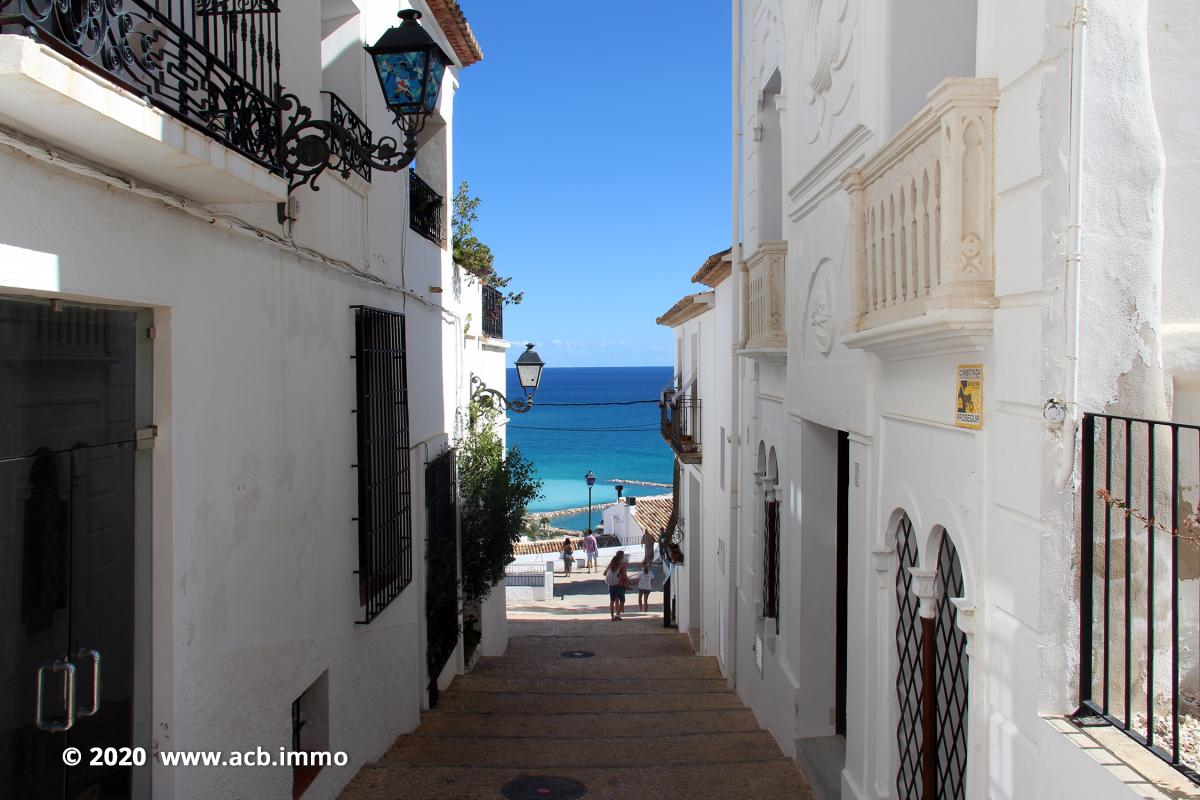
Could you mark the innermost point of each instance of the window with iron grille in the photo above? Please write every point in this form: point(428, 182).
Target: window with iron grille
point(384, 479)
point(771, 562)
point(425, 210)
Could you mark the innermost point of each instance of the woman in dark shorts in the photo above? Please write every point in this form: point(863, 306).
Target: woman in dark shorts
point(616, 578)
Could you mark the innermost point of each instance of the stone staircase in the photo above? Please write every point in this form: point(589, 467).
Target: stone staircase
point(643, 718)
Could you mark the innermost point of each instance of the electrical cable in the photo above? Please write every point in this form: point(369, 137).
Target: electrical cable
point(611, 403)
point(642, 429)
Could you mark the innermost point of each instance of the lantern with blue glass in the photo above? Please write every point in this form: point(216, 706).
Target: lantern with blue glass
point(410, 66)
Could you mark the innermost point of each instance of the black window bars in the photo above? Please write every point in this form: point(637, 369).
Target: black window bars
point(384, 479)
point(426, 208)
point(1138, 552)
point(493, 312)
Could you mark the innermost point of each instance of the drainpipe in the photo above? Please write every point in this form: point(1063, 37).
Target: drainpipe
point(735, 258)
point(1070, 403)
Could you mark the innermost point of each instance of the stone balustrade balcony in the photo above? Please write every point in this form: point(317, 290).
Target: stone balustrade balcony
point(923, 211)
point(765, 299)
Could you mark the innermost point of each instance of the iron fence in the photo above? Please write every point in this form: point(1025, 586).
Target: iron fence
point(493, 312)
point(681, 425)
point(343, 116)
point(384, 479)
point(1139, 618)
point(426, 208)
point(213, 64)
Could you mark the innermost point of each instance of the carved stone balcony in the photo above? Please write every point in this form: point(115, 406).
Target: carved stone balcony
point(765, 300)
point(923, 220)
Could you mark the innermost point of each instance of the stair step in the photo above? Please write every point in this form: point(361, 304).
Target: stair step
point(554, 703)
point(618, 747)
point(598, 668)
point(572, 724)
point(473, 682)
point(720, 780)
point(602, 646)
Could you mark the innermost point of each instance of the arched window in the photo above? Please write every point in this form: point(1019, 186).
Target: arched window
point(931, 733)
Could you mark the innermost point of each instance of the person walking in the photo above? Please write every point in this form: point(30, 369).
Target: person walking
point(645, 584)
point(568, 554)
point(617, 578)
point(648, 543)
point(592, 549)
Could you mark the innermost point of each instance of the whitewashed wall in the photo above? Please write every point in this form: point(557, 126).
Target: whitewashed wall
point(253, 493)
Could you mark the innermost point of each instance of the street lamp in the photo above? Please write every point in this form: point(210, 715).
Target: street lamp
point(529, 374)
point(410, 66)
point(591, 481)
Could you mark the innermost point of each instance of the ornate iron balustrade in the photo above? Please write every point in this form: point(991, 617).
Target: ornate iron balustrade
point(349, 158)
point(214, 65)
point(425, 210)
point(681, 426)
point(493, 312)
point(1137, 561)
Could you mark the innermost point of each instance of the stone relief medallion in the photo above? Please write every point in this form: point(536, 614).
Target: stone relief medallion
point(820, 311)
point(828, 36)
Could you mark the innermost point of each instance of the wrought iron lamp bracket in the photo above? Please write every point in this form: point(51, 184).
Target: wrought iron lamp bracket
point(481, 394)
point(306, 149)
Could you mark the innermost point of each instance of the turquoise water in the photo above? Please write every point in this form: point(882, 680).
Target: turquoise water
point(614, 442)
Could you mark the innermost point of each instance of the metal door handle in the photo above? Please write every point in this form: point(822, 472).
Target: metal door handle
point(68, 670)
point(94, 656)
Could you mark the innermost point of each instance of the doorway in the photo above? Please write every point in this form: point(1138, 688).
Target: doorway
point(73, 669)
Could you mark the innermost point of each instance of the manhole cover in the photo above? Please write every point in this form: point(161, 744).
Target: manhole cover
point(543, 789)
point(577, 654)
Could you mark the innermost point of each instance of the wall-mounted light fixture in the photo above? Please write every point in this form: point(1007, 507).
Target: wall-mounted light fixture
point(410, 66)
point(529, 374)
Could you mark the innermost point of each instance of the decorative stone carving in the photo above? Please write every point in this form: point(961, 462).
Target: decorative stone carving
point(924, 214)
point(828, 37)
point(766, 298)
point(819, 313)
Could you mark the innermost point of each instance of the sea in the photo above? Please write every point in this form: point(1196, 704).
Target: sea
point(618, 443)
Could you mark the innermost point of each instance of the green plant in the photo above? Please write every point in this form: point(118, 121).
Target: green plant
point(471, 254)
point(495, 489)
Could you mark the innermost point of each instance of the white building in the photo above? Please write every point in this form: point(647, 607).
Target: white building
point(954, 221)
point(631, 517)
point(204, 383)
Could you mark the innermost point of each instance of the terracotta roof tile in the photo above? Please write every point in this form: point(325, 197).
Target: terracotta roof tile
point(453, 23)
point(691, 306)
point(715, 269)
point(654, 513)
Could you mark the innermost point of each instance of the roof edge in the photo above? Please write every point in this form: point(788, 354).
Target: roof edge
point(453, 22)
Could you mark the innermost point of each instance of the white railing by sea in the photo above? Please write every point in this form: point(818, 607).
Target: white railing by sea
point(923, 210)
point(765, 297)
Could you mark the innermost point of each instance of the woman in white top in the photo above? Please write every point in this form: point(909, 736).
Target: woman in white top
point(645, 583)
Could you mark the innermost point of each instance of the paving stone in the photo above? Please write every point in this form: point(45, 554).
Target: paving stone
point(575, 724)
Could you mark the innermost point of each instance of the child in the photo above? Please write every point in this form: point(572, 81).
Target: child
point(644, 583)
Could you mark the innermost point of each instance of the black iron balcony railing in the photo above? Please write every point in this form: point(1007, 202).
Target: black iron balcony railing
point(681, 426)
point(214, 64)
point(343, 116)
point(1137, 566)
point(426, 209)
point(493, 312)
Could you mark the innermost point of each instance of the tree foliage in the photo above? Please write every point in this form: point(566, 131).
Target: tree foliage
point(471, 254)
point(495, 490)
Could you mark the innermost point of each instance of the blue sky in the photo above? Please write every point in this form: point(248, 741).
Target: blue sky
point(597, 136)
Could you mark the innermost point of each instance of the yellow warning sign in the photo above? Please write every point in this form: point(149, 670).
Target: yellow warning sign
point(968, 403)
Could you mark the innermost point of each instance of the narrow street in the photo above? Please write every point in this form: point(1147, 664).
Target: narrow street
point(643, 717)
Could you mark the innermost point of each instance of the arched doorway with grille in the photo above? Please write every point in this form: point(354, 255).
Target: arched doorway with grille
point(932, 670)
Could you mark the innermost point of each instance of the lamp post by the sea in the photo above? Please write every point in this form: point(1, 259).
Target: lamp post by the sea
point(591, 481)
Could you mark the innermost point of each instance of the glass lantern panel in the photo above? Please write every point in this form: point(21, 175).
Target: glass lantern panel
point(529, 375)
point(401, 75)
point(436, 70)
